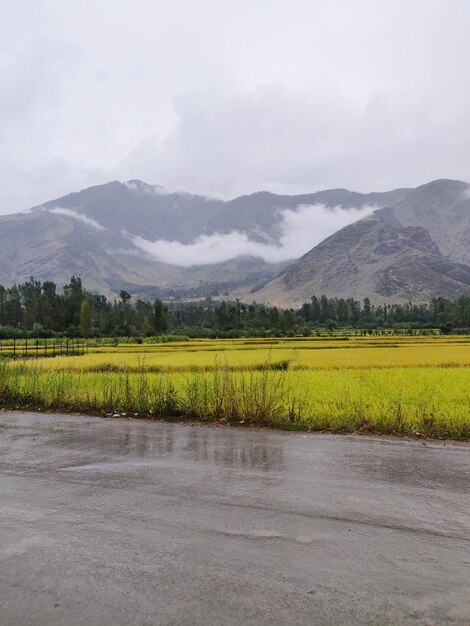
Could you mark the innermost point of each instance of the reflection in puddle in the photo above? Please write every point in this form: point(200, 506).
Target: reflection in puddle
point(233, 451)
point(125, 440)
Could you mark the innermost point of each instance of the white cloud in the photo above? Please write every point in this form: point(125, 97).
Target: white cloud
point(319, 95)
point(77, 216)
point(283, 140)
point(302, 230)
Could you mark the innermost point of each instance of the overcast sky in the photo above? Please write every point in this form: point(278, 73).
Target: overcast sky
point(224, 97)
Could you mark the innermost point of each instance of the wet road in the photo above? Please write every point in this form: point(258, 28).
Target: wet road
point(111, 521)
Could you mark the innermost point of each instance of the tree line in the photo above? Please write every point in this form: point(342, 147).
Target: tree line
point(39, 309)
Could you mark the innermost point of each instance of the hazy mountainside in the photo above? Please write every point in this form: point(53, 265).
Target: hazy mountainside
point(374, 258)
point(141, 209)
point(443, 208)
point(414, 249)
point(52, 247)
point(150, 212)
point(257, 214)
point(90, 234)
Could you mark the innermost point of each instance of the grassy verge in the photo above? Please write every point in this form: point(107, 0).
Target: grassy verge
point(429, 401)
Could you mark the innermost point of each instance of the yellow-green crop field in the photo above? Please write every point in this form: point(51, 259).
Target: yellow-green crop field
point(387, 384)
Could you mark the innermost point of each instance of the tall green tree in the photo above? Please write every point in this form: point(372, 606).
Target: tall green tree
point(85, 318)
point(160, 316)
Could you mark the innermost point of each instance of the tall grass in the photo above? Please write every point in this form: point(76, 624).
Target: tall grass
point(256, 396)
point(432, 401)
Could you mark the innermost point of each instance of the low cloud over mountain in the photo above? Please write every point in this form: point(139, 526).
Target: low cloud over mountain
point(77, 216)
point(301, 230)
point(147, 240)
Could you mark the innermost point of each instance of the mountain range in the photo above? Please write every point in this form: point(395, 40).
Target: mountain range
point(414, 249)
point(413, 244)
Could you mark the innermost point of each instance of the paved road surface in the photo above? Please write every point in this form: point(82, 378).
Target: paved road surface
point(112, 521)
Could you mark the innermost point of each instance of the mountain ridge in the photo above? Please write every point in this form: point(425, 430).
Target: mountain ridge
point(90, 233)
point(375, 258)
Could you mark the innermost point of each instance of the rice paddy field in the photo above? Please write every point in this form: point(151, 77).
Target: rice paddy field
point(387, 384)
